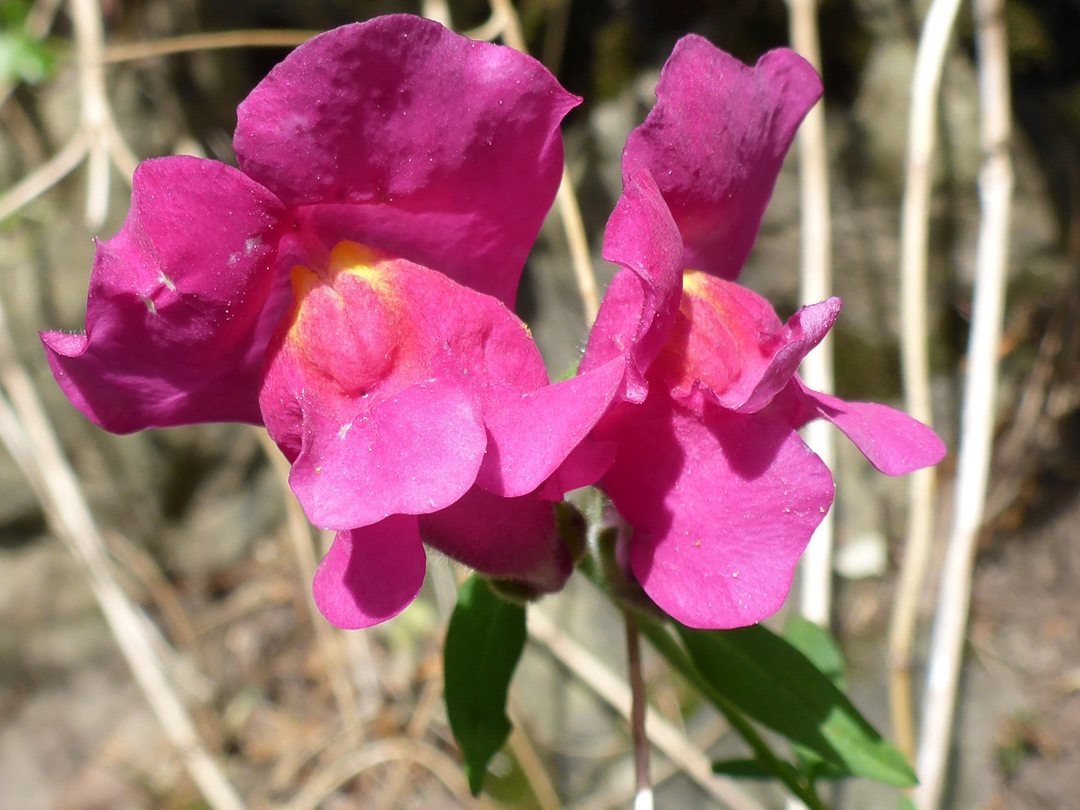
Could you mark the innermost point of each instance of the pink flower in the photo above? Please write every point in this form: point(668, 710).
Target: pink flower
point(720, 490)
point(348, 288)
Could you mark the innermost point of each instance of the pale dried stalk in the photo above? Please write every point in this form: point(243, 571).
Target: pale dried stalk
point(815, 284)
point(524, 751)
point(617, 795)
point(329, 639)
point(437, 10)
point(96, 116)
point(661, 732)
point(379, 752)
point(977, 419)
point(45, 176)
point(217, 40)
point(815, 281)
point(574, 226)
point(29, 436)
point(419, 723)
point(566, 199)
point(97, 139)
point(914, 351)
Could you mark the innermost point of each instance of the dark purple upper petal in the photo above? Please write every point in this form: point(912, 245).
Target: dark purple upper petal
point(447, 150)
point(715, 141)
point(177, 316)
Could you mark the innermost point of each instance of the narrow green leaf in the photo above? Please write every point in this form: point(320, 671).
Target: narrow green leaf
point(754, 769)
point(819, 646)
point(484, 642)
point(768, 679)
point(742, 769)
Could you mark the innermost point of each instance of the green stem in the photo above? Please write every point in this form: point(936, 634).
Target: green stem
point(668, 647)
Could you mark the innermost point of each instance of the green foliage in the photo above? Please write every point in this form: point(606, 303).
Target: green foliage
point(819, 647)
point(22, 58)
point(755, 769)
point(484, 642)
point(770, 681)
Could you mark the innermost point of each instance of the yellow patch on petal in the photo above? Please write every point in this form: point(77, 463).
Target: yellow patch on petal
point(707, 339)
point(350, 321)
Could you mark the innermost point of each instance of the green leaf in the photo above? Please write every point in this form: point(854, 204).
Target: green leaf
point(23, 58)
point(819, 646)
point(754, 769)
point(484, 642)
point(769, 680)
point(742, 769)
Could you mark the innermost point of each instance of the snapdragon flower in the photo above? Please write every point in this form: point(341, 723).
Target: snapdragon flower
point(348, 286)
point(710, 473)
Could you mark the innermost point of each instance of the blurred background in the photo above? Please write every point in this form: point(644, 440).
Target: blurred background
point(204, 537)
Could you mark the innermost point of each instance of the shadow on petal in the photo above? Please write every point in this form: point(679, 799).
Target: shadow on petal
point(371, 574)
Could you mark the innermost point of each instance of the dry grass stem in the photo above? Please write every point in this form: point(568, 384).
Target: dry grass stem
point(978, 416)
point(45, 176)
point(96, 115)
point(379, 752)
point(663, 734)
point(330, 640)
point(574, 226)
point(217, 40)
point(619, 795)
point(423, 715)
point(566, 199)
point(524, 751)
point(97, 139)
point(914, 350)
point(28, 434)
point(437, 10)
point(815, 599)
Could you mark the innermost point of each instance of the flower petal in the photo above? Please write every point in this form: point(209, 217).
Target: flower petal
point(510, 538)
point(640, 304)
point(177, 315)
point(371, 574)
point(532, 434)
point(803, 331)
point(447, 150)
point(715, 141)
point(722, 505)
point(895, 443)
point(532, 425)
point(729, 341)
point(413, 453)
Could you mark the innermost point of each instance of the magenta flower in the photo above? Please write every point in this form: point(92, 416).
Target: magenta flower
point(721, 492)
point(348, 288)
